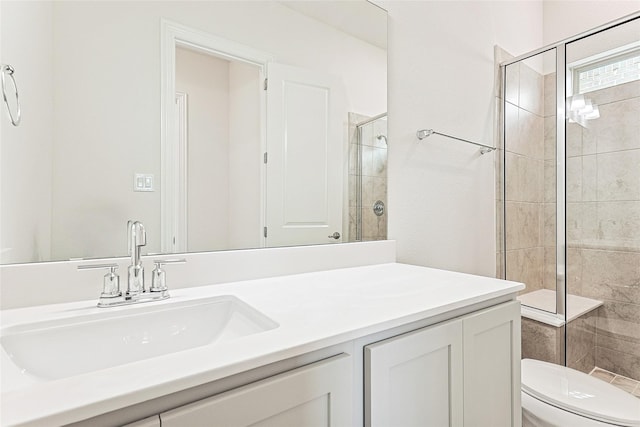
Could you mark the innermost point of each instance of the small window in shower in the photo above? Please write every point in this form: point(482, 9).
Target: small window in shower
point(610, 71)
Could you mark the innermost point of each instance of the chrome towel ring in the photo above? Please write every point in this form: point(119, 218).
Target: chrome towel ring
point(8, 70)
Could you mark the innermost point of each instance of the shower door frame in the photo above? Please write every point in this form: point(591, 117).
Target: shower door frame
point(560, 55)
point(561, 202)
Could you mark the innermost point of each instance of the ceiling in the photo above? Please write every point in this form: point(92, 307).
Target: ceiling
point(352, 17)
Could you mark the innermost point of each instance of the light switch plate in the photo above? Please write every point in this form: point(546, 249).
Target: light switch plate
point(142, 182)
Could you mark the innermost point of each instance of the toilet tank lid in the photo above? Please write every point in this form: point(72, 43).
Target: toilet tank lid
point(579, 393)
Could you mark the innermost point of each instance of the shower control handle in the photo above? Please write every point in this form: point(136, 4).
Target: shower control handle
point(335, 235)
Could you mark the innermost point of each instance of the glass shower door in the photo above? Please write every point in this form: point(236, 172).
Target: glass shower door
point(533, 219)
point(603, 202)
point(571, 200)
point(530, 178)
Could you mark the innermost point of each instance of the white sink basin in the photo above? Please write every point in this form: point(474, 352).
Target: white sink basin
point(62, 348)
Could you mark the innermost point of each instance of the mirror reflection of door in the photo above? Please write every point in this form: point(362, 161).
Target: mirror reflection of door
point(305, 117)
point(219, 157)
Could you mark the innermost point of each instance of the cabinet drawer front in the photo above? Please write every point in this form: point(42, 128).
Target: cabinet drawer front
point(415, 379)
point(314, 395)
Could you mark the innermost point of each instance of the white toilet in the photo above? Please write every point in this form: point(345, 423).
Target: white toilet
point(557, 396)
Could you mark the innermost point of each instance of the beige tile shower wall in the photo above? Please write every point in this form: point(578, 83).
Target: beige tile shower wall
point(541, 341)
point(603, 223)
point(544, 342)
point(525, 179)
point(581, 342)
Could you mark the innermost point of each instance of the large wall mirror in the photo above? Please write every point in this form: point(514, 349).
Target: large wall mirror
point(217, 124)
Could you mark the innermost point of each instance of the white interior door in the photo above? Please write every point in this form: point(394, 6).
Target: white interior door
point(305, 150)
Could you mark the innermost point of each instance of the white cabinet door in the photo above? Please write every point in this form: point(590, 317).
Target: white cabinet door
point(492, 367)
point(415, 379)
point(314, 395)
point(147, 422)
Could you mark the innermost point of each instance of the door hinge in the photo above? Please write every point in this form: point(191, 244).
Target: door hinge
point(265, 232)
point(266, 84)
point(265, 158)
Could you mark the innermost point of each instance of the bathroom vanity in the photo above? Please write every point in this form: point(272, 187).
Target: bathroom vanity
point(344, 347)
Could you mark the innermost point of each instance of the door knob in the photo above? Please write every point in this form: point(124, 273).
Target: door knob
point(335, 235)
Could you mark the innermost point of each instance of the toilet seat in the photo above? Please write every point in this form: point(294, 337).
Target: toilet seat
point(579, 393)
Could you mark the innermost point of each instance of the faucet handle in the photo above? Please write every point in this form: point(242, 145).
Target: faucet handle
point(110, 282)
point(158, 276)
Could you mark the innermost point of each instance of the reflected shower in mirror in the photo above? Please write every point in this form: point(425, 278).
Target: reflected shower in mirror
point(367, 177)
point(218, 124)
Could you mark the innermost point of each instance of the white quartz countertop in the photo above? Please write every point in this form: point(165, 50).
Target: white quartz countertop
point(313, 311)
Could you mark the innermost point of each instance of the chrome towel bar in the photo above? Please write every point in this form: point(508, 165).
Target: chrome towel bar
point(8, 70)
point(424, 133)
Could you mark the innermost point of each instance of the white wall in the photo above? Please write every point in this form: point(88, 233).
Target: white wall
point(106, 126)
point(441, 76)
point(563, 19)
point(25, 153)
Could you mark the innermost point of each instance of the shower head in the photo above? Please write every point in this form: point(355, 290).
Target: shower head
point(381, 137)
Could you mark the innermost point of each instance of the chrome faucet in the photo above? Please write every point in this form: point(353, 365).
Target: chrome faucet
point(137, 238)
point(136, 293)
